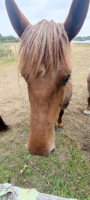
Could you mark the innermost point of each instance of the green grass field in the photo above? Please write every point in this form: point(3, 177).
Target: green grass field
point(67, 172)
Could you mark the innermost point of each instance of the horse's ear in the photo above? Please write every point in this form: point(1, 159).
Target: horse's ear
point(18, 20)
point(76, 17)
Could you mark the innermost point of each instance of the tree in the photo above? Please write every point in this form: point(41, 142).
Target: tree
point(1, 38)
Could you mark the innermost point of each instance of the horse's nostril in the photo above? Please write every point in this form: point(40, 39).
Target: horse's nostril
point(52, 151)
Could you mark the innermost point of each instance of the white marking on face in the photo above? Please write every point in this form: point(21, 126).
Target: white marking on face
point(42, 70)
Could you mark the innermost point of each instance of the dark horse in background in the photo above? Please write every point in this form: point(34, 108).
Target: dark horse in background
point(87, 111)
point(45, 64)
point(3, 126)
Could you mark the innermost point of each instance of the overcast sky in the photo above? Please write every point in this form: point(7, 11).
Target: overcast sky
point(36, 10)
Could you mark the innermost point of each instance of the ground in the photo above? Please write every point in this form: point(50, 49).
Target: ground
point(72, 156)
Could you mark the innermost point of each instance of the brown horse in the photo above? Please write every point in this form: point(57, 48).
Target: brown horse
point(87, 111)
point(45, 63)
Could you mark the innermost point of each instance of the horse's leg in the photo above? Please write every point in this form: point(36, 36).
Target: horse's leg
point(3, 126)
point(59, 125)
point(87, 111)
point(88, 106)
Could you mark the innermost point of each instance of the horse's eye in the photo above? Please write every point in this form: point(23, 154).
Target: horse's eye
point(66, 80)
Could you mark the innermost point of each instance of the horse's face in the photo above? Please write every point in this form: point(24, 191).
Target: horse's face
point(46, 94)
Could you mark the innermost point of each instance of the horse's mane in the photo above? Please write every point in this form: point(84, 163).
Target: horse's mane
point(45, 43)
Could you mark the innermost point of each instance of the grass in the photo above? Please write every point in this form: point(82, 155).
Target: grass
point(5, 50)
point(8, 53)
point(7, 60)
point(67, 172)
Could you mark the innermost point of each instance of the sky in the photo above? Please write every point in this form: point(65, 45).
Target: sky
point(36, 10)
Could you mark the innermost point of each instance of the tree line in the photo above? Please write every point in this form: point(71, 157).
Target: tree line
point(79, 38)
point(9, 38)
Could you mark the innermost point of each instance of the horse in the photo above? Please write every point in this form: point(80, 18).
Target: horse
point(3, 126)
point(87, 111)
point(45, 64)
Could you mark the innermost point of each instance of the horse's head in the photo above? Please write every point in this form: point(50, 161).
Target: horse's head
point(46, 94)
point(45, 65)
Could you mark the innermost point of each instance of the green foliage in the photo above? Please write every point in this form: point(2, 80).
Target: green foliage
point(9, 38)
point(1, 38)
point(79, 38)
point(5, 50)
